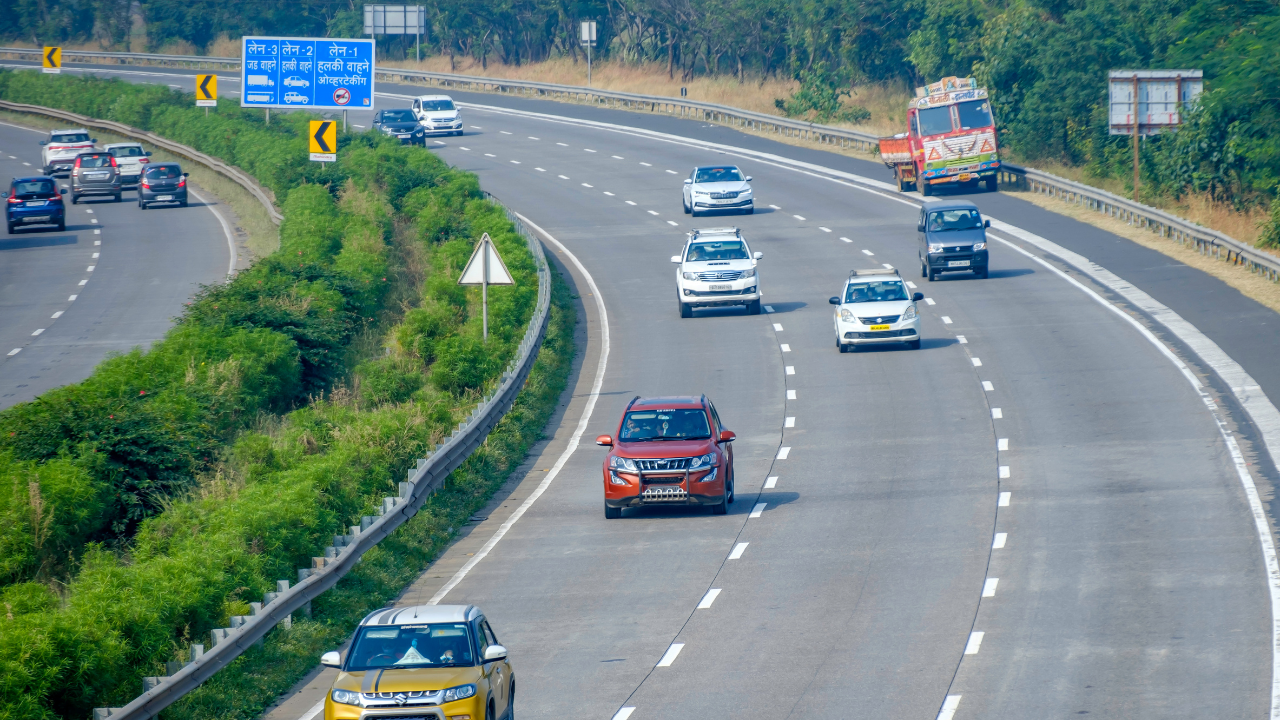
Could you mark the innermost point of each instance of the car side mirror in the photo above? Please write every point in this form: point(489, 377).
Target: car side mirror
point(44, 142)
point(495, 652)
point(331, 659)
point(920, 227)
point(63, 191)
point(147, 153)
point(93, 140)
point(834, 301)
point(748, 178)
point(4, 195)
point(917, 297)
point(604, 440)
point(986, 223)
point(759, 256)
point(675, 258)
point(687, 181)
point(727, 436)
point(185, 174)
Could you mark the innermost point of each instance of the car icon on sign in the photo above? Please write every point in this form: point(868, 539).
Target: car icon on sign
point(296, 81)
point(292, 98)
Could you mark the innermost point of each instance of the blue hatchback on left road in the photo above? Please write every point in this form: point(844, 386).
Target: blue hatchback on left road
point(34, 201)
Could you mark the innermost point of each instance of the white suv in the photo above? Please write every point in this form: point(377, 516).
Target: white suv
point(58, 153)
point(875, 308)
point(438, 114)
point(131, 158)
point(717, 269)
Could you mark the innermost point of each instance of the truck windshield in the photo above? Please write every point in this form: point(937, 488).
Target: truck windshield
point(974, 114)
point(935, 121)
point(703, 251)
point(434, 645)
point(642, 425)
point(875, 291)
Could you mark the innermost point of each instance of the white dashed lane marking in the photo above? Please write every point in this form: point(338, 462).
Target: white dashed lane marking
point(673, 223)
point(929, 301)
point(777, 327)
point(15, 351)
point(846, 239)
point(771, 482)
point(791, 369)
point(798, 217)
point(670, 655)
point(37, 332)
point(976, 362)
point(588, 150)
point(1004, 472)
point(975, 642)
point(786, 347)
point(946, 320)
point(868, 252)
point(1005, 498)
point(57, 315)
point(995, 413)
point(989, 587)
point(646, 164)
point(490, 155)
point(617, 157)
point(673, 172)
point(823, 229)
point(986, 385)
point(947, 712)
point(562, 144)
point(791, 394)
point(709, 598)
point(606, 192)
point(999, 541)
point(738, 550)
point(563, 177)
point(1002, 444)
point(768, 308)
point(72, 298)
point(789, 422)
point(783, 452)
point(755, 511)
point(586, 185)
point(651, 212)
point(629, 202)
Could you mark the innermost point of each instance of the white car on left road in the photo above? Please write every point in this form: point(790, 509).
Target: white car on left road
point(718, 188)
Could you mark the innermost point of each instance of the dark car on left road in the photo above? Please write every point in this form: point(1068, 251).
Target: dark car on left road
point(95, 173)
point(162, 183)
point(34, 201)
point(400, 124)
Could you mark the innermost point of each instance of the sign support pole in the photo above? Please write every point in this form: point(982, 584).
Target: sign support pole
point(1137, 122)
point(588, 64)
point(484, 287)
point(344, 121)
point(268, 115)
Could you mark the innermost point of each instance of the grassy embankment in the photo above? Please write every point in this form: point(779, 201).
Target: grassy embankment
point(154, 500)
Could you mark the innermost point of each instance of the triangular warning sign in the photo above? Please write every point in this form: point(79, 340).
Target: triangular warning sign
point(986, 147)
point(934, 154)
point(485, 257)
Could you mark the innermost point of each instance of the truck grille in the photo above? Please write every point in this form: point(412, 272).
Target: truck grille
point(659, 464)
point(879, 320)
point(719, 275)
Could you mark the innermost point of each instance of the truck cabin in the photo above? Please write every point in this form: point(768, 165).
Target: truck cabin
point(949, 107)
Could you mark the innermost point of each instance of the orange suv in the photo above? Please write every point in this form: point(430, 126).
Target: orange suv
point(669, 451)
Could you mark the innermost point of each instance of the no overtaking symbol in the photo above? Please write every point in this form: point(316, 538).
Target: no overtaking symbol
point(342, 96)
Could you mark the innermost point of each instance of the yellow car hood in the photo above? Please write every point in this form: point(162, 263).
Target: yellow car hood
point(406, 679)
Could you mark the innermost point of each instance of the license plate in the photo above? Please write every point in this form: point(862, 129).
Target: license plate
point(96, 176)
point(36, 219)
point(879, 327)
point(721, 287)
point(36, 203)
point(405, 135)
point(958, 263)
point(965, 176)
point(170, 197)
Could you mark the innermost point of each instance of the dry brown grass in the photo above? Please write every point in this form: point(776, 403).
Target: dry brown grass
point(1250, 284)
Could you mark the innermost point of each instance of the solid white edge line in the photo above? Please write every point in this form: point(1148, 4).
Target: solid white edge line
point(226, 230)
point(1242, 471)
point(574, 439)
point(314, 711)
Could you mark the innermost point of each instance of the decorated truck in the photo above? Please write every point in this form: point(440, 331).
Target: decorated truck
point(950, 139)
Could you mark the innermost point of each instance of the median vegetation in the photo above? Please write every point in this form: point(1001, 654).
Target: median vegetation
point(151, 502)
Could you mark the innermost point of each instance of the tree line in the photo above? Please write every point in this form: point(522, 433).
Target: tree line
point(1045, 61)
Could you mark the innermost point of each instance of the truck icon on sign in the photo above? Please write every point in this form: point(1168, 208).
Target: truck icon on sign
point(260, 80)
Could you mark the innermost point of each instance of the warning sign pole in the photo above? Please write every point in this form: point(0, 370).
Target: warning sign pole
point(485, 268)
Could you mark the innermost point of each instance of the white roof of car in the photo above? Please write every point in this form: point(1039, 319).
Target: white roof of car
point(704, 232)
point(881, 273)
point(435, 97)
point(69, 130)
point(121, 144)
point(421, 614)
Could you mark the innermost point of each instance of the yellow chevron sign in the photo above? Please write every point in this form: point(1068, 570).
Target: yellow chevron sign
point(206, 91)
point(51, 59)
point(323, 140)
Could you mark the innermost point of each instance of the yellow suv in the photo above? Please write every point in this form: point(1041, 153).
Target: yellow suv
point(429, 662)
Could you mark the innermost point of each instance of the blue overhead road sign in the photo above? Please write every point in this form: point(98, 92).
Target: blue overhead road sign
point(323, 73)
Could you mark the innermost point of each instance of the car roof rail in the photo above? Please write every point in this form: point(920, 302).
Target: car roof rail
point(874, 271)
point(732, 230)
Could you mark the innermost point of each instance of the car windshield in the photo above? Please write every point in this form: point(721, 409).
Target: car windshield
point(717, 174)
point(974, 114)
point(128, 151)
point(875, 291)
point(935, 121)
point(163, 172)
point(437, 105)
point(69, 138)
point(397, 116)
point(33, 188)
point(642, 425)
point(946, 220)
point(433, 645)
point(727, 250)
point(95, 161)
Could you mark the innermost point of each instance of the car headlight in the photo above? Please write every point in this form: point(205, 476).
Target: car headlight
point(703, 461)
point(846, 315)
point(622, 463)
point(935, 248)
point(690, 276)
point(745, 192)
point(910, 314)
point(613, 478)
point(710, 477)
point(346, 697)
point(458, 693)
point(980, 246)
point(749, 273)
point(417, 130)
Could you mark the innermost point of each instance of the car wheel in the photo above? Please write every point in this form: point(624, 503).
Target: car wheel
point(729, 490)
point(182, 204)
point(914, 344)
point(925, 188)
point(75, 199)
point(992, 183)
point(749, 211)
point(722, 507)
point(511, 700)
point(686, 206)
point(612, 513)
point(118, 197)
point(10, 228)
point(982, 273)
point(753, 307)
point(142, 205)
point(686, 310)
point(62, 226)
point(933, 275)
point(924, 269)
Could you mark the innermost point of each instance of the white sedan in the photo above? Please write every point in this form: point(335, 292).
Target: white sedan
point(717, 188)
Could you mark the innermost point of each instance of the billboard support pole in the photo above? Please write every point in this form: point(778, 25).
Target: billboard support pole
point(1137, 123)
point(344, 121)
point(268, 115)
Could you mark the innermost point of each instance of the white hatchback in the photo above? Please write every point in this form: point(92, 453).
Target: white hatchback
point(876, 308)
point(717, 269)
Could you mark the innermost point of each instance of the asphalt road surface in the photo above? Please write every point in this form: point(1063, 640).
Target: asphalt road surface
point(114, 280)
point(1040, 513)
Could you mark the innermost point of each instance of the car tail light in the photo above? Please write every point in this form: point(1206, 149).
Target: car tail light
point(182, 182)
point(13, 200)
point(113, 161)
point(144, 160)
point(77, 163)
point(146, 185)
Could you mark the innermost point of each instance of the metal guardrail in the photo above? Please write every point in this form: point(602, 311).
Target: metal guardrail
point(231, 172)
point(1208, 242)
point(130, 58)
point(423, 480)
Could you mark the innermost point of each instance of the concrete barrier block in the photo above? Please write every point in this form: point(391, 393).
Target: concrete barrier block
point(365, 522)
point(255, 608)
point(238, 620)
point(282, 585)
point(173, 667)
point(270, 597)
point(355, 532)
point(303, 574)
point(317, 563)
point(330, 553)
point(406, 490)
point(104, 713)
point(217, 635)
point(197, 652)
